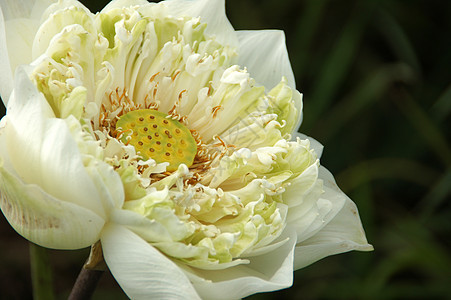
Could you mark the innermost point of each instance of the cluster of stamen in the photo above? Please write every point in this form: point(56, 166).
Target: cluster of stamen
point(154, 134)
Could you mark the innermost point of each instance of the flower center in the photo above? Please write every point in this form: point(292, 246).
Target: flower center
point(155, 135)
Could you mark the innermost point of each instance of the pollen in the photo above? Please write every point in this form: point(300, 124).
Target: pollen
point(155, 135)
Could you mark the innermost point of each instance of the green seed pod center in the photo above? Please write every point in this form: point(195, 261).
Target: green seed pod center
point(156, 136)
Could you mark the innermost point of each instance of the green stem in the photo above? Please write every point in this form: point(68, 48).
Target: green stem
point(41, 273)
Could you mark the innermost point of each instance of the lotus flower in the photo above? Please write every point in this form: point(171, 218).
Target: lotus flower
point(170, 137)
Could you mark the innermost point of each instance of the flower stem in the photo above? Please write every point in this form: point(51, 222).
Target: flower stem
point(89, 275)
point(86, 284)
point(41, 273)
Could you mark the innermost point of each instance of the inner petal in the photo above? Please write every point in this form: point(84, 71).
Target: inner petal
point(155, 135)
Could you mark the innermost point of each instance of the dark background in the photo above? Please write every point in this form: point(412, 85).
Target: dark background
point(376, 81)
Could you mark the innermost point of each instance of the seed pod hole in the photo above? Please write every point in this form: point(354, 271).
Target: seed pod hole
point(162, 142)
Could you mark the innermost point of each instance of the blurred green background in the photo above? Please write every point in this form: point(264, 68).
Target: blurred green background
point(376, 80)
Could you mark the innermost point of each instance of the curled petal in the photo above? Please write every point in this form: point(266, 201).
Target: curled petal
point(141, 270)
point(60, 5)
point(57, 17)
point(314, 144)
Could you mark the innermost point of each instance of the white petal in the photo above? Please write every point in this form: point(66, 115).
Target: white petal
point(312, 215)
point(15, 9)
point(43, 151)
point(211, 12)
point(314, 144)
point(6, 76)
point(20, 35)
point(6, 163)
point(123, 3)
point(141, 270)
point(268, 272)
point(150, 230)
point(264, 54)
point(45, 220)
point(55, 19)
point(108, 184)
point(302, 186)
point(344, 233)
point(297, 97)
point(17, 30)
point(60, 5)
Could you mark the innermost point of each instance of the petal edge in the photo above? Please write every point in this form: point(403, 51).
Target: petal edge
point(344, 233)
point(271, 50)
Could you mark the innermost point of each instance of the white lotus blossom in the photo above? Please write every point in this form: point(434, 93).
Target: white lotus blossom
point(170, 137)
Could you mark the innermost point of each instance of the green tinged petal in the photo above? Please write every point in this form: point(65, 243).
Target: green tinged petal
point(74, 103)
point(132, 185)
point(65, 73)
point(286, 104)
point(56, 23)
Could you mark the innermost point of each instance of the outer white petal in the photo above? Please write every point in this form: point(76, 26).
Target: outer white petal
point(264, 54)
point(344, 233)
point(141, 270)
point(45, 220)
point(269, 272)
point(30, 9)
point(297, 97)
point(310, 219)
point(20, 35)
point(6, 76)
point(17, 30)
point(211, 12)
point(43, 151)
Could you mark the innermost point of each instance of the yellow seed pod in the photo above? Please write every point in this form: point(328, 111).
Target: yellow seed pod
point(156, 136)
